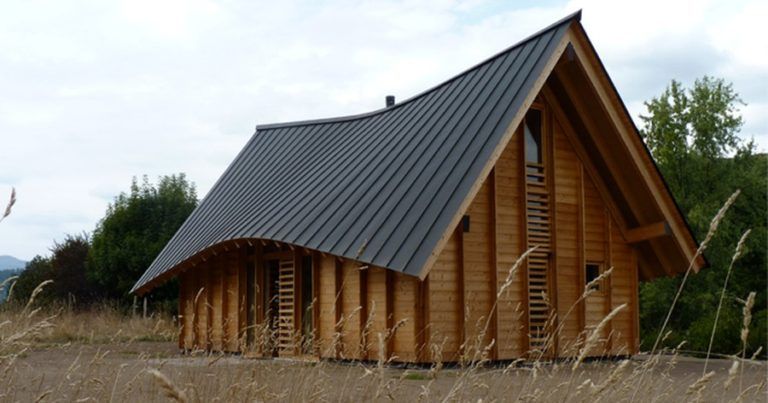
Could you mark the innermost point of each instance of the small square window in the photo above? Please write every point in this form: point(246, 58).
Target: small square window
point(592, 272)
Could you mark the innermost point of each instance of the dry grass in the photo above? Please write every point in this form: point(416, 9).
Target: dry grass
point(102, 355)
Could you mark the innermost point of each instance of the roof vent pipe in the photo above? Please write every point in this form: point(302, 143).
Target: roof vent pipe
point(390, 100)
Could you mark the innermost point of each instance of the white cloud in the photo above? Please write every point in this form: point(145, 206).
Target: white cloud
point(94, 93)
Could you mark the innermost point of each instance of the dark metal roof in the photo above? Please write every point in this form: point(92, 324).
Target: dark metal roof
point(380, 188)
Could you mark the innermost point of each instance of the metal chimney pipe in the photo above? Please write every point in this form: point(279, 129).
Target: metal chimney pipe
point(390, 100)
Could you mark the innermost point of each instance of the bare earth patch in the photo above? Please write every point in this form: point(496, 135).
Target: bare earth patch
point(121, 371)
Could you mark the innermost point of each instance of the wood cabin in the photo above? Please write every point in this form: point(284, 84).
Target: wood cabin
point(392, 234)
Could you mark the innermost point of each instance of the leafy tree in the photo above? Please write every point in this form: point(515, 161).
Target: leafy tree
point(36, 271)
point(136, 227)
point(68, 261)
point(66, 267)
point(692, 134)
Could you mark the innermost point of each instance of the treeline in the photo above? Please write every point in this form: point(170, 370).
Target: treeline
point(102, 267)
point(693, 136)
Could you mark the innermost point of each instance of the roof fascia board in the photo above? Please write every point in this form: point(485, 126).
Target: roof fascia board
point(629, 134)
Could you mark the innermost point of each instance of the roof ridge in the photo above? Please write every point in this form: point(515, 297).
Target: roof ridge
point(575, 16)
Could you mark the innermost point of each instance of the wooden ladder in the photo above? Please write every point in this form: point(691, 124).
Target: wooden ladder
point(286, 308)
point(538, 233)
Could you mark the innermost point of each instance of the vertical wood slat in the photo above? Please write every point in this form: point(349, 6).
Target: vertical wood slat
point(635, 302)
point(217, 304)
point(183, 300)
point(316, 268)
point(549, 135)
point(363, 317)
point(338, 303)
point(422, 320)
point(607, 283)
point(461, 323)
point(389, 312)
point(298, 313)
point(582, 254)
point(199, 309)
point(242, 296)
point(261, 285)
point(209, 304)
point(494, 230)
point(224, 274)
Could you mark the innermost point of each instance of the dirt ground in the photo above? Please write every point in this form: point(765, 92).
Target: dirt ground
point(121, 372)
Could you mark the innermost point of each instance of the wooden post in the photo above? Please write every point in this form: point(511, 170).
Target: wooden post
point(363, 291)
point(552, 269)
point(461, 325)
point(338, 303)
point(493, 330)
point(607, 283)
point(582, 254)
point(316, 267)
point(389, 311)
point(422, 320)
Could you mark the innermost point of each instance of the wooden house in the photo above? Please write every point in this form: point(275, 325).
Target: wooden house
point(392, 234)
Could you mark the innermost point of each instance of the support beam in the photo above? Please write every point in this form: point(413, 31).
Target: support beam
point(648, 232)
point(363, 292)
point(389, 312)
point(338, 303)
point(422, 320)
point(461, 326)
point(608, 282)
point(494, 322)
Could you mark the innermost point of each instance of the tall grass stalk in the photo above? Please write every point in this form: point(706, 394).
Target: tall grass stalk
point(703, 246)
point(738, 252)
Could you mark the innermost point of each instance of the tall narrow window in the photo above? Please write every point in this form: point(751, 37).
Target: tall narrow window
point(532, 129)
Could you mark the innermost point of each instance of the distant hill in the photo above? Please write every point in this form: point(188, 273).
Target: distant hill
point(11, 263)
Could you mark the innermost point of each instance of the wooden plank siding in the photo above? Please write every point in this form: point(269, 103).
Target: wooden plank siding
point(446, 303)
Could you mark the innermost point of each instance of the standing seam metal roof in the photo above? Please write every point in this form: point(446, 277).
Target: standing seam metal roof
point(380, 188)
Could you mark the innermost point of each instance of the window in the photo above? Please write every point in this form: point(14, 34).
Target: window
point(592, 272)
point(532, 131)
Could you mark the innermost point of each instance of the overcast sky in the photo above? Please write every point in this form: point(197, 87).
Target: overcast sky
point(93, 93)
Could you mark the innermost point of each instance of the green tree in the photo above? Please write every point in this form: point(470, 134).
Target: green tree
point(36, 271)
point(136, 227)
point(692, 134)
point(66, 267)
point(68, 261)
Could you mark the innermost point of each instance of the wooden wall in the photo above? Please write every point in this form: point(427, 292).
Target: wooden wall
point(358, 307)
point(211, 312)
